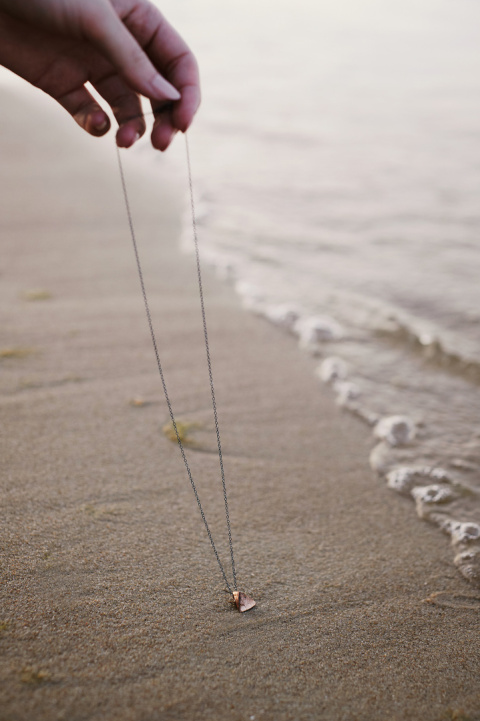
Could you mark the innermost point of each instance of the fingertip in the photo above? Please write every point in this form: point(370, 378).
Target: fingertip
point(160, 143)
point(184, 112)
point(97, 123)
point(162, 137)
point(163, 129)
point(184, 124)
point(127, 135)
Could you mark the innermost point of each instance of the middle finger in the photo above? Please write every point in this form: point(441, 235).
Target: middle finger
point(126, 107)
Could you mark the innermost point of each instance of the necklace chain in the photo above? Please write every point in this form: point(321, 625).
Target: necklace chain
point(209, 364)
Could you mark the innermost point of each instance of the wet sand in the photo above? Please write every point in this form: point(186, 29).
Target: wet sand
point(112, 606)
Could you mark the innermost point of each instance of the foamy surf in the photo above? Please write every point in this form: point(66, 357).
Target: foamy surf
point(423, 451)
point(422, 410)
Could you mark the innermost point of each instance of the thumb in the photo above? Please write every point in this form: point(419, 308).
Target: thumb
point(106, 31)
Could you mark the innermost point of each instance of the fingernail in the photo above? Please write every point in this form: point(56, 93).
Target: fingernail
point(163, 90)
point(102, 125)
point(128, 141)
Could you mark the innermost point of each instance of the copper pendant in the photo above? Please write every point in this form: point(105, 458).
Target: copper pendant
point(242, 601)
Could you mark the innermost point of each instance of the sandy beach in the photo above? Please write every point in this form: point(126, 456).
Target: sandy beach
point(111, 603)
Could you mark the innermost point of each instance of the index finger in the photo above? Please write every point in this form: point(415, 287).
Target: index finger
point(103, 26)
point(171, 56)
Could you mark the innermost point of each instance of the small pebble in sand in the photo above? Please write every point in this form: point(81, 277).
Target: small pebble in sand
point(184, 430)
point(34, 676)
point(317, 329)
point(37, 294)
point(396, 430)
point(136, 402)
point(15, 352)
point(332, 369)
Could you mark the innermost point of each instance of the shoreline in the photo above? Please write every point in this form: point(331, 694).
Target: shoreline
point(408, 442)
point(442, 486)
point(111, 603)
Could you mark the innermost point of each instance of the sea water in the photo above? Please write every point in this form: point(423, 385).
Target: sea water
point(337, 156)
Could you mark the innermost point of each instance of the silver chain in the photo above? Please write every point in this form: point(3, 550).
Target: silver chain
point(209, 364)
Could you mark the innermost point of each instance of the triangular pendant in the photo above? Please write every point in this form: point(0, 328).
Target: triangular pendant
point(242, 601)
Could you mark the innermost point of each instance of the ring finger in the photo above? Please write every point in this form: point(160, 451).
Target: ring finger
point(126, 107)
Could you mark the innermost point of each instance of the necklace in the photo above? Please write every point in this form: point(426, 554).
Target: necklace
point(241, 600)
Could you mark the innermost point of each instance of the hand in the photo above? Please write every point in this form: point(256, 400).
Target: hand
point(124, 48)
